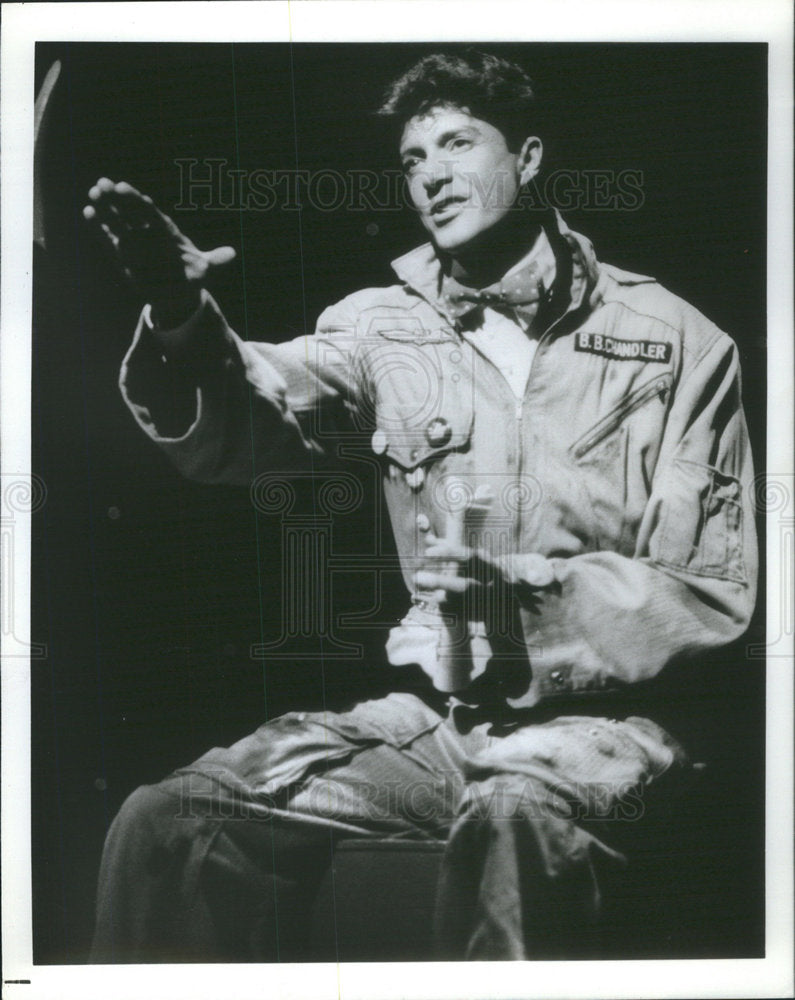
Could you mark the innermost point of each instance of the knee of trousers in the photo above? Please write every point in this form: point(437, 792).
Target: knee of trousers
point(514, 809)
point(510, 797)
point(525, 816)
point(153, 823)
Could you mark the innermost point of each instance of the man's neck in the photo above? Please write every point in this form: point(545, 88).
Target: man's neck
point(488, 262)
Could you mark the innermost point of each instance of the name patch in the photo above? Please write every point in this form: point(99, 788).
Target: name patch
point(623, 350)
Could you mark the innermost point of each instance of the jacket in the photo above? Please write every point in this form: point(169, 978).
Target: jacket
point(625, 469)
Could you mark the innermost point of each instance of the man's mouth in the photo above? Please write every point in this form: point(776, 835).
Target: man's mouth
point(446, 208)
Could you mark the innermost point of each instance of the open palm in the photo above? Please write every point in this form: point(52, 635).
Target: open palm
point(162, 263)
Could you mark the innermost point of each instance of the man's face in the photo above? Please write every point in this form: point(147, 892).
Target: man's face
point(462, 177)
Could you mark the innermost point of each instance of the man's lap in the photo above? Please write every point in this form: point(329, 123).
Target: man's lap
point(396, 767)
point(244, 828)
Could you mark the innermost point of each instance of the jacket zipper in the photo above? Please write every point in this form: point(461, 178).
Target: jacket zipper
point(658, 386)
point(519, 467)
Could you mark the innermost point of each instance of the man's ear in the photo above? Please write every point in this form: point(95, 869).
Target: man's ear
point(529, 160)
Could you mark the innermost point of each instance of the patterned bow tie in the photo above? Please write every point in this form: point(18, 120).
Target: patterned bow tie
point(521, 291)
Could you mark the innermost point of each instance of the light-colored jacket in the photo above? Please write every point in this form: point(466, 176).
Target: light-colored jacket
point(626, 466)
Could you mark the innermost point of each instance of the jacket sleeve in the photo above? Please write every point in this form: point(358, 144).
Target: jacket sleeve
point(608, 619)
point(224, 409)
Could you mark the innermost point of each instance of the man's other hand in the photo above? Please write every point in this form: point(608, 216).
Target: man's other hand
point(457, 569)
point(166, 268)
point(453, 568)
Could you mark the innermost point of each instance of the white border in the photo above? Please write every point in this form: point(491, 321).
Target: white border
point(369, 20)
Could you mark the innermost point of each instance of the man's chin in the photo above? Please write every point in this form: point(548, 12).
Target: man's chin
point(462, 249)
point(461, 237)
point(453, 243)
point(479, 243)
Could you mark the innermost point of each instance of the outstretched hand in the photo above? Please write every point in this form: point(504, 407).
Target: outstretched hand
point(163, 264)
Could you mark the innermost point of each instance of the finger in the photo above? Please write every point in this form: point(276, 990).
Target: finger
point(90, 215)
point(100, 191)
point(131, 198)
point(220, 256)
point(108, 225)
point(101, 205)
point(102, 186)
point(111, 237)
point(442, 549)
point(138, 210)
point(427, 580)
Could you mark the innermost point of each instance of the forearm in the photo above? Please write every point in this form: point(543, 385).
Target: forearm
point(218, 412)
point(225, 410)
point(607, 620)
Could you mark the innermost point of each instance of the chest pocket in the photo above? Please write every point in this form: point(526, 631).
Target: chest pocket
point(422, 398)
point(615, 458)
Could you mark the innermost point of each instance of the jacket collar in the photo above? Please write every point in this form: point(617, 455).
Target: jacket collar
point(421, 270)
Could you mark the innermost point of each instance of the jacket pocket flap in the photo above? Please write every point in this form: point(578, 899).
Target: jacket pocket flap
point(700, 528)
point(409, 446)
point(418, 420)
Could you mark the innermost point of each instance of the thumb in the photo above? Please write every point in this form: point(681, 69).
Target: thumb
point(220, 256)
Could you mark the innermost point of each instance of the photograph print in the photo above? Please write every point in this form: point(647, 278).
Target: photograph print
point(401, 409)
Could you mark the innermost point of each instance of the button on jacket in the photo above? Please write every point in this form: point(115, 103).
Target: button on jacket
point(622, 478)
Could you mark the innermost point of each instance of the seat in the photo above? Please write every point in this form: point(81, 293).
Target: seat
point(685, 895)
point(376, 902)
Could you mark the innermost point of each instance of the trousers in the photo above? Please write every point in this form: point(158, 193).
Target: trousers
point(220, 861)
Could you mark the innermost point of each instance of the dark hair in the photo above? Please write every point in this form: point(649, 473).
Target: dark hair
point(491, 88)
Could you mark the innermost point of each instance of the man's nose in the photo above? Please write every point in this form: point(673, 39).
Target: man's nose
point(436, 174)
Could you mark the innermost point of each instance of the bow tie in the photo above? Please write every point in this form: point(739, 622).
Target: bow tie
point(522, 291)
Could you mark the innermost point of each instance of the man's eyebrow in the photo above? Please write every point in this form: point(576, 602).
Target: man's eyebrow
point(441, 140)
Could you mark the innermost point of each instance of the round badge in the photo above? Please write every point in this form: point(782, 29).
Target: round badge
point(438, 432)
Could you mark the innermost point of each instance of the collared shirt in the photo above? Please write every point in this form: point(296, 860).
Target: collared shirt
point(501, 335)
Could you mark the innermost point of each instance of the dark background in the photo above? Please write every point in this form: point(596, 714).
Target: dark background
point(149, 590)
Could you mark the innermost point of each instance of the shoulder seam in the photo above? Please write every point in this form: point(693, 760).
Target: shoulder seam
point(677, 330)
point(637, 312)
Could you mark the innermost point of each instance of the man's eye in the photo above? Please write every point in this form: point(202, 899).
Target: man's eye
point(410, 164)
point(460, 143)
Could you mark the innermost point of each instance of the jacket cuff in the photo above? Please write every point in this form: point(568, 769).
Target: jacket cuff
point(172, 389)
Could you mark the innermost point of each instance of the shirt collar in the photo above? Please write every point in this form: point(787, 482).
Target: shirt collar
point(542, 256)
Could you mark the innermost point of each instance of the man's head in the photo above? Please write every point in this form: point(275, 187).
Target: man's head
point(466, 143)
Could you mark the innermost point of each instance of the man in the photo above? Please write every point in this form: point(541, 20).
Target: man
point(566, 468)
